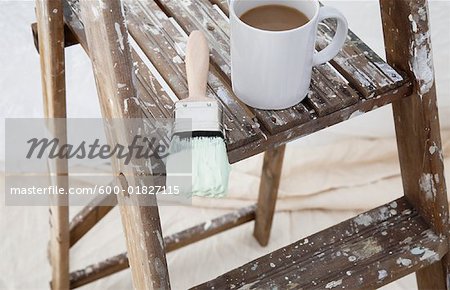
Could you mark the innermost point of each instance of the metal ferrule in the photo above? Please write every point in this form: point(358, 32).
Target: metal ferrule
point(194, 116)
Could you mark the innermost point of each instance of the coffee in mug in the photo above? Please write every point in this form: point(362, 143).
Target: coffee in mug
point(274, 18)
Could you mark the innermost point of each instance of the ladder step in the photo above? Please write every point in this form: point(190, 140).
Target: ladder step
point(365, 252)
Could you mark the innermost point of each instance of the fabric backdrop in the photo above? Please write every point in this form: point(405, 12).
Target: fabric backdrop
point(327, 177)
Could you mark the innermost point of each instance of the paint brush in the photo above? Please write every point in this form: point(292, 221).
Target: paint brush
point(198, 138)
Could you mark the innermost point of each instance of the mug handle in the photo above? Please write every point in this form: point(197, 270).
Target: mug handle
point(338, 41)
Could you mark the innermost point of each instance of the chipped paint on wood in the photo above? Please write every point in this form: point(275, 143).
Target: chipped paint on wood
point(433, 148)
point(427, 186)
point(421, 62)
point(425, 254)
point(367, 248)
point(333, 284)
point(342, 251)
point(364, 219)
point(404, 262)
point(382, 274)
point(413, 23)
point(119, 36)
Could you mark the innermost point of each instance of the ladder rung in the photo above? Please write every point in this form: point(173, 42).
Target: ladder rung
point(90, 215)
point(186, 237)
point(365, 252)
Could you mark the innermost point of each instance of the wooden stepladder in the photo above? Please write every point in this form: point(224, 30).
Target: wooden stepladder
point(404, 236)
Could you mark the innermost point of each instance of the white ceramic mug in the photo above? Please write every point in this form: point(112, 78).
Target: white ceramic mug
point(271, 70)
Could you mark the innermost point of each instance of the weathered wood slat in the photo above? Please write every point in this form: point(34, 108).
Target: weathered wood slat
point(353, 64)
point(200, 14)
point(367, 251)
point(328, 91)
point(172, 243)
point(318, 124)
point(382, 65)
point(210, 228)
point(156, 100)
point(164, 46)
point(87, 218)
point(222, 4)
point(97, 271)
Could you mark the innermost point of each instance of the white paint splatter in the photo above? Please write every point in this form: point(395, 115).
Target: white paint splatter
point(429, 255)
point(207, 225)
point(433, 149)
point(426, 184)
point(421, 62)
point(333, 284)
point(393, 204)
point(226, 69)
point(160, 14)
point(364, 219)
point(404, 262)
point(125, 105)
point(119, 36)
point(186, 2)
point(384, 213)
point(423, 13)
point(177, 59)
point(272, 265)
point(95, 12)
point(365, 249)
point(413, 23)
point(89, 270)
point(436, 178)
point(55, 11)
point(153, 30)
point(406, 241)
point(417, 251)
point(406, 212)
point(382, 274)
point(120, 86)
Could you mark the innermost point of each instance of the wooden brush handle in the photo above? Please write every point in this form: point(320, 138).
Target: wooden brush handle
point(197, 65)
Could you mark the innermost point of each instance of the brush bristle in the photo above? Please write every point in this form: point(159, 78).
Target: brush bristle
point(203, 157)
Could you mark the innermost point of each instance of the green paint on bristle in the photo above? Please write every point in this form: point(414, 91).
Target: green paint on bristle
point(209, 166)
